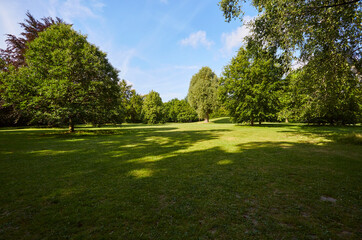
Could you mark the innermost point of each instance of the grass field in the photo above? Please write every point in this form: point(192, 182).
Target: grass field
point(182, 181)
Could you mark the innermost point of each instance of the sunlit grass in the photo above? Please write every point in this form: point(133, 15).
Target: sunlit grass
point(181, 181)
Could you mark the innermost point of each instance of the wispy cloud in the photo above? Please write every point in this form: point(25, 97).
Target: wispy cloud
point(9, 18)
point(196, 39)
point(164, 1)
point(126, 57)
point(75, 9)
point(234, 40)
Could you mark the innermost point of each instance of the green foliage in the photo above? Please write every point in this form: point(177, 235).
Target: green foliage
point(307, 25)
point(14, 54)
point(288, 99)
point(220, 111)
point(249, 85)
point(179, 111)
point(324, 91)
point(67, 80)
point(131, 103)
point(152, 108)
point(202, 94)
point(134, 108)
point(13, 57)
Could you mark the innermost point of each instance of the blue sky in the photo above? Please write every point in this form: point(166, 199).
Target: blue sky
point(156, 44)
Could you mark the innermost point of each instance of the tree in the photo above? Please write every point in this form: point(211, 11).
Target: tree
point(66, 79)
point(249, 85)
point(14, 54)
point(202, 94)
point(132, 105)
point(179, 111)
point(186, 113)
point(308, 26)
point(152, 108)
point(332, 96)
point(9, 114)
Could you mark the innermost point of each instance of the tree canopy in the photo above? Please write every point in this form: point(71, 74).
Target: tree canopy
point(332, 96)
point(308, 26)
point(66, 79)
point(177, 110)
point(14, 54)
point(249, 85)
point(202, 94)
point(152, 108)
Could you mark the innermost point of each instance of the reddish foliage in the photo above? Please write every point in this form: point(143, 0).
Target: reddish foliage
point(16, 46)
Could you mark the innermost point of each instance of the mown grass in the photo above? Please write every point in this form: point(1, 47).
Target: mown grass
point(181, 181)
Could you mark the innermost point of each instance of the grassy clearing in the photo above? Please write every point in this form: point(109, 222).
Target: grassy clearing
point(181, 181)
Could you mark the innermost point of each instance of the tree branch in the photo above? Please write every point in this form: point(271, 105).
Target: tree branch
point(337, 5)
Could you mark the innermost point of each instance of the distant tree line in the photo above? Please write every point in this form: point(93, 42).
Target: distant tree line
point(51, 75)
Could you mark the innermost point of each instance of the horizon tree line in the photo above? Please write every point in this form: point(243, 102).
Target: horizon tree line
point(52, 75)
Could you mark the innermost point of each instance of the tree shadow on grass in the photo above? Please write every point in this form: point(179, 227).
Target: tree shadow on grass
point(339, 134)
point(149, 183)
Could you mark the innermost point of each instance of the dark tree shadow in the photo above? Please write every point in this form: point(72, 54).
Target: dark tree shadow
point(149, 183)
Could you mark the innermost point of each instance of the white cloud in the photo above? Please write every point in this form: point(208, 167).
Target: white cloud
point(196, 39)
point(234, 40)
point(126, 57)
point(164, 1)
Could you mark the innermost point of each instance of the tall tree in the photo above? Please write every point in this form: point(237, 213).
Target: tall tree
point(308, 26)
point(66, 79)
point(324, 92)
point(249, 85)
point(13, 56)
point(152, 108)
point(202, 94)
point(131, 103)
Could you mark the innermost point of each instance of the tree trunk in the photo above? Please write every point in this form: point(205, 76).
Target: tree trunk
point(206, 118)
point(71, 125)
point(259, 122)
point(252, 122)
point(286, 120)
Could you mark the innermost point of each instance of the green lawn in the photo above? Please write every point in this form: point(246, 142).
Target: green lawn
point(181, 181)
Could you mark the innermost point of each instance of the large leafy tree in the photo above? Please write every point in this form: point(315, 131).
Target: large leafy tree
point(332, 96)
point(14, 54)
point(177, 110)
point(250, 84)
point(310, 26)
point(134, 108)
point(66, 79)
point(202, 94)
point(152, 108)
point(131, 103)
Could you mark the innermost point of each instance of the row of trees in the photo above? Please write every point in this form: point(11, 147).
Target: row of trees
point(52, 75)
point(255, 86)
point(327, 89)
